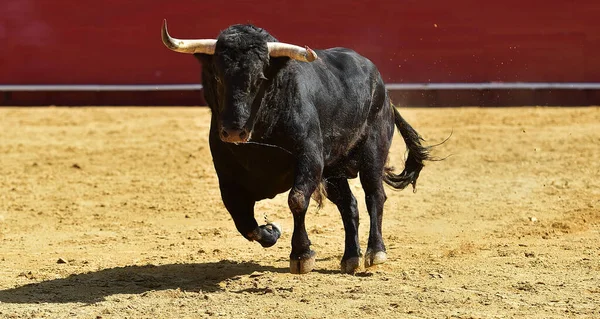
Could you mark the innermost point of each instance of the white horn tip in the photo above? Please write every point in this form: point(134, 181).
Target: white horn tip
point(164, 25)
point(166, 38)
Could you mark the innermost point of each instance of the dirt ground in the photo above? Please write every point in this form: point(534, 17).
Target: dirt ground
point(116, 213)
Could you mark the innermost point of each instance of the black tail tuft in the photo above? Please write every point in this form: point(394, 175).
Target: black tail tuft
point(417, 154)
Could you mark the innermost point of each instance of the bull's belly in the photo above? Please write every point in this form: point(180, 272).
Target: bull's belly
point(342, 158)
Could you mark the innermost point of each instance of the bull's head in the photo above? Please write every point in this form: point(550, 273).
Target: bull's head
point(238, 65)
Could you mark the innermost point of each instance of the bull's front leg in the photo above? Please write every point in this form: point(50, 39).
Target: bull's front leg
point(241, 208)
point(308, 172)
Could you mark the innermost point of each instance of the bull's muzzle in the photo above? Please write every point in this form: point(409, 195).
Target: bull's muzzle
point(234, 135)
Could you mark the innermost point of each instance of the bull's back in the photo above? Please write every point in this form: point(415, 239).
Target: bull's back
point(343, 74)
point(344, 86)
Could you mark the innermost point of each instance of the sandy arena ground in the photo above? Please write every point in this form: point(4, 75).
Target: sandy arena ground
point(116, 213)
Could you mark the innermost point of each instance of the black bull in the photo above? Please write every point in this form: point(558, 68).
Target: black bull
point(280, 124)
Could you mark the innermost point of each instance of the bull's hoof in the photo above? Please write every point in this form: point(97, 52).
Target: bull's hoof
point(374, 258)
point(268, 234)
point(303, 265)
point(350, 265)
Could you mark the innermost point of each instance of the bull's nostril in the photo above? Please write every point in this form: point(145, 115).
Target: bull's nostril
point(224, 133)
point(242, 134)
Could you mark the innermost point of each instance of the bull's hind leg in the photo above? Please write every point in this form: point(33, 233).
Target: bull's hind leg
point(374, 155)
point(338, 191)
point(241, 207)
point(375, 198)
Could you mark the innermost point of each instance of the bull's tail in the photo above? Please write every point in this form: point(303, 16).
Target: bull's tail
point(417, 154)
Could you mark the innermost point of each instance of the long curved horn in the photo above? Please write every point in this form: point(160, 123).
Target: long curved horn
point(278, 49)
point(206, 46)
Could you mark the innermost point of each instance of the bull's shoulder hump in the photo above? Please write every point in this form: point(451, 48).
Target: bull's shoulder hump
point(342, 53)
point(339, 51)
point(344, 59)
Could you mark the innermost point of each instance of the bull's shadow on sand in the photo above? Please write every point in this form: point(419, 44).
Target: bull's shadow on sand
point(95, 286)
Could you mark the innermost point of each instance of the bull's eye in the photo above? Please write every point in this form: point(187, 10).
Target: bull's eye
point(218, 79)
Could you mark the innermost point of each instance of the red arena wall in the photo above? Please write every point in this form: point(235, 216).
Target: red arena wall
point(118, 42)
